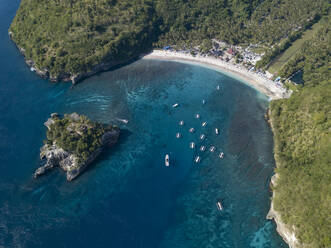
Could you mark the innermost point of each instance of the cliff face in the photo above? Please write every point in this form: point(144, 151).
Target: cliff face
point(69, 42)
point(284, 231)
point(70, 161)
point(73, 77)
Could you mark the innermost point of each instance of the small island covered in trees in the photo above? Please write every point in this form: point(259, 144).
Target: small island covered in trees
point(73, 142)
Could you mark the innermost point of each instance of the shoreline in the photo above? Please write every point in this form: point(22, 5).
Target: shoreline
point(283, 230)
point(287, 235)
point(261, 84)
point(264, 85)
point(68, 76)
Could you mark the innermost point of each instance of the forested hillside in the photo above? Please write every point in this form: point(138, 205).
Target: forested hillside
point(302, 129)
point(73, 36)
point(261, 22)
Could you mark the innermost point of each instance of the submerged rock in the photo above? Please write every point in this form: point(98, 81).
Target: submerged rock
point(73, 143)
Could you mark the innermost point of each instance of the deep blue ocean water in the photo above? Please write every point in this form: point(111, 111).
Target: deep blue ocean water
point(128, 198)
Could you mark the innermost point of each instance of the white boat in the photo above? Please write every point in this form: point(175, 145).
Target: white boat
point(212, 149)
point(123, 120)
point(202, 136)
point(32, 69)
point(204, 124)
point(178, 135)
point(166, 160)
point(216, 131)
point(219, 206)
point(203, 101)
point(202, 148)
point(218, 87)
point(197, 116)
point(192, 145)
point(221, 155)
point(181, 123)
point(197, 159)
point(175, 105)
point(191, 130)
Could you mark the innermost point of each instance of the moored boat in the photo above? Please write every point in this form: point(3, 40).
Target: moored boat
point(219, 206)
point(123, 120)
point(221, 155)
point(178, 135)
point(192, 145)
point(216, 131)
point(202, 148)
point(202, 136)
point(212, 148)
point(181, 123)
point(166, 160)
point(197, 159)
point(191, 130)
point(197, 116)
point(204, 124)
point(218, 87)
point(175, 105)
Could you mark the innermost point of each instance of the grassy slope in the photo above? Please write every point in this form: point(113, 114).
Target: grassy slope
point(282, 59)
point(302, 136)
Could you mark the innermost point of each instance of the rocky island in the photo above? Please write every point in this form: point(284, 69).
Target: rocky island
point(74, 142)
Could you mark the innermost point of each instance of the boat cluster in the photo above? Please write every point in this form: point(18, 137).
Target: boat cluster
point(200, 148)
point(202, 136)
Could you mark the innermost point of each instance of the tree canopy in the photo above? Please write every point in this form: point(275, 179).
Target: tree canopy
point(302, 131)
point(74, 36)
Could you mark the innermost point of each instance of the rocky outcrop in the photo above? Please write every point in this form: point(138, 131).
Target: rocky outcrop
point(105, 66)
point(68, 76)
point(74, 77)
point(55, 156)
point(287, 233)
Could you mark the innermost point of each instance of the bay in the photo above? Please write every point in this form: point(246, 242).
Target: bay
point(128, 198)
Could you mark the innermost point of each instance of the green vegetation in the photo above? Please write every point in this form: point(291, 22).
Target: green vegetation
point(284, 57)
point(68, 37)
point(264, 22)
point(284, 44)
point(310, 57)
point(72, 36)
point(302, 132)
point(76, 134)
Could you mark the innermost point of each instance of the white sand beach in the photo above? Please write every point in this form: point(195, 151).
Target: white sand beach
point(263, 84)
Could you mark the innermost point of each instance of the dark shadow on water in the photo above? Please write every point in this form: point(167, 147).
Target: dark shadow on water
point(108, 152)
point(115, 67)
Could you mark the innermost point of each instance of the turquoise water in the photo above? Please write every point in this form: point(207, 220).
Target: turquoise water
point(128, 198)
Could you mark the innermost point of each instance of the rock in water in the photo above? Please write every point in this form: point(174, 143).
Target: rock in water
point(73, 143)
